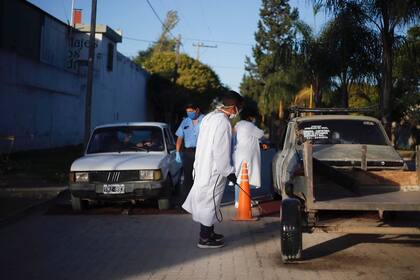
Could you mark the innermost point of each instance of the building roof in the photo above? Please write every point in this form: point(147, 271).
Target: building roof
point(102, 29)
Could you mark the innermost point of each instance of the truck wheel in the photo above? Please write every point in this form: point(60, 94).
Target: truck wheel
point(164, 203)
point(291, 230)
point(77, 204)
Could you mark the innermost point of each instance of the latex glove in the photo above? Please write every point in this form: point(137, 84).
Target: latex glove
point(178, 157)
point(232, 178)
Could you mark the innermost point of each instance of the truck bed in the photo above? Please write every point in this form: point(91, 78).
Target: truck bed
point(372, 190)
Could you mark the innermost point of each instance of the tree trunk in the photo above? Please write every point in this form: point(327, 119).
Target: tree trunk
point(317, 92)
point(386, 96)
point(281, 109)
point(344, 90)
point(387, 36)
point(344, 96)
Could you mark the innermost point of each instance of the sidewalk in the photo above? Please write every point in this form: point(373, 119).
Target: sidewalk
point(17, 201)
point(28, 179)
point(20, 197)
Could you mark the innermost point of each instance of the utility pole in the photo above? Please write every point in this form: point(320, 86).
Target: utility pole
point(201, 45)
point(71, 13)
point(89, 86)
point(177, 48)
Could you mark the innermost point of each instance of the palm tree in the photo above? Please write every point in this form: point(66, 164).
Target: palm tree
point(385, 16)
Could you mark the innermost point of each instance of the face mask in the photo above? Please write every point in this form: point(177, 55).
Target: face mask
point(191, 115)
point(232, 116)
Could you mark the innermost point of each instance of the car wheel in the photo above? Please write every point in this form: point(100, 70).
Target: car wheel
point(77, 204)
point(164, 203)
point(291, 230)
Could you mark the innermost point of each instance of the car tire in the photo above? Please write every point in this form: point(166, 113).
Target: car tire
point(164, 203)
point(291, 230)
point(77, 204)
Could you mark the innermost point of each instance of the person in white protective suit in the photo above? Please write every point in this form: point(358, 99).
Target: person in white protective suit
point(212, 169)
point(247, 150)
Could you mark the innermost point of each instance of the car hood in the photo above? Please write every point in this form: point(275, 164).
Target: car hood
point(118, 161)
point(353, 152)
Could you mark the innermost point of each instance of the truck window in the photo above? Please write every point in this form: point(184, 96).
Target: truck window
point(287, 140)
point(342, 132)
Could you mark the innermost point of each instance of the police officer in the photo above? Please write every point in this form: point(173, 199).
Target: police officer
point(187, 132)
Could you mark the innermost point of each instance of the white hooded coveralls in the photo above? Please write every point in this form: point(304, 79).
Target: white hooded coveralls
point(248, 149)
point(211, 167)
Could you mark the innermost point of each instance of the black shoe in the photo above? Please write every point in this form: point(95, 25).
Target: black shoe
point(217, 237)
point(209, 243)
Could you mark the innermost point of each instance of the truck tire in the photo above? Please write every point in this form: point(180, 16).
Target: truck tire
point(164, 203)
point(77, 204)
point(291, 230)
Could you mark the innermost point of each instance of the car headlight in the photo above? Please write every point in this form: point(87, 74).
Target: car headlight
point(81, 177)
point(150, 175)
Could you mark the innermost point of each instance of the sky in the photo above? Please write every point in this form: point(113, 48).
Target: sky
point(228, 24)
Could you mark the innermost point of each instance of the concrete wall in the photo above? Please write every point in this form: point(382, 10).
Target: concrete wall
point(40, 105)
point(42, 100)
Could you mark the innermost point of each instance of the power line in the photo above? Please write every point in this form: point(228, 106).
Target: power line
point(139, 40)
point(204, 19)
point(160, 20)
point(65, 12)
point(201, 45)
point(191, 39)
point(219, 42)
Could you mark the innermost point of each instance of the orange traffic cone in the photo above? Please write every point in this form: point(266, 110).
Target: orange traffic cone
point(244, 211)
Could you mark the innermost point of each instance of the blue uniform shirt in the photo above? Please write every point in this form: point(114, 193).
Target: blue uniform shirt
point(189, 132)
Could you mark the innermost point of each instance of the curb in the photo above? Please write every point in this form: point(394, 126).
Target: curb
point(19, 214)
point(39, 193)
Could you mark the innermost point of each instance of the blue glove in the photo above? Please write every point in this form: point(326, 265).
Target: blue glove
point(178, 157)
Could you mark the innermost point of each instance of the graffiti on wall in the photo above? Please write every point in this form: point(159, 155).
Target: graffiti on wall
point(78, 52)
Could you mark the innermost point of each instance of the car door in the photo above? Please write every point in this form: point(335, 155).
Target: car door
point(174, 166)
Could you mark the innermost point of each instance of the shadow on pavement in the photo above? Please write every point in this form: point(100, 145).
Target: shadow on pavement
point(119, 247)
point(344, 242)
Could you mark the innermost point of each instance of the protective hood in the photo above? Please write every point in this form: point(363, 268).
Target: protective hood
point(118, 161)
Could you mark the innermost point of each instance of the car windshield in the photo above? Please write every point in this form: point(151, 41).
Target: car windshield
point(342, 132)
point(126, 138)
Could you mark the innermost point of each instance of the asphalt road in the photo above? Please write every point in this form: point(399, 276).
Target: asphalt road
point(108, 245)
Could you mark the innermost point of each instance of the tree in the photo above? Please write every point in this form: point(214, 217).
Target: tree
point(407, 77)
point(316, 63)
point(346, 39)
point(272, 78)
point(385, 16)
point(191, 74)
point(176, 78)
point(164, 43)
point(275, 36)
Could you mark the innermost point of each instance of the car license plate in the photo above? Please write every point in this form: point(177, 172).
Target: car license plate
point(113, 188)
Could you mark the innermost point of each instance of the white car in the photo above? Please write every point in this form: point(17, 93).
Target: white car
point(126, 162)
